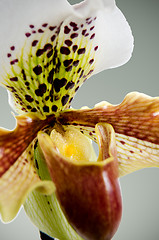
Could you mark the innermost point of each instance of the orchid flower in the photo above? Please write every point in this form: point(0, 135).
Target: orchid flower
point(47, 163)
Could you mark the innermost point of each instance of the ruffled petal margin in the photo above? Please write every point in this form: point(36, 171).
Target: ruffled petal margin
point(136, 124)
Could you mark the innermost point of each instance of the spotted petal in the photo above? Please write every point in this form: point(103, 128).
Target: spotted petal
point(136, 123)
point(54, 51)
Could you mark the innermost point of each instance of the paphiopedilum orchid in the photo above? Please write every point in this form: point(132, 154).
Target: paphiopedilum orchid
point(47, 162)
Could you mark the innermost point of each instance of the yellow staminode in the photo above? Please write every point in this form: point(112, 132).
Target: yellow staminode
point(73, 144)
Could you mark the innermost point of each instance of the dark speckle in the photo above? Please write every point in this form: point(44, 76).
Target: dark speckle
point(65, 99)
point(67, 62)
point(37, 70)
point(59, 83)
point(14, 79)
point(52, 28)
point(69, 85)
point(12, 48)
point(91, 61)
point(54, 108)
point(27, 34)
point(41, 90)
point(92, 36)
point(74, 35)
point(31, 26)
point(45, 25)
point(75, 63)
point(29, 98)
point(74, 48)
point(36, 164)
point(81, 51)
point(40, 30)
point(68, 42)
point(46, 109)
point(34, 43)
point(66, 29)
point(65, 50)
point(50, 77)
point(53, 37)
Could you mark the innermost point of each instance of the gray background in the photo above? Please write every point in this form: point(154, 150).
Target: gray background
point(140, 190)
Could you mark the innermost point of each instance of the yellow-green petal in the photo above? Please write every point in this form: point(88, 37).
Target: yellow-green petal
point(18, 182)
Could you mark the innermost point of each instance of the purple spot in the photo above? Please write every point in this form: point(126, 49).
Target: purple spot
point(50, 53)
point(29, 98)
point(34, 43)
point(41, 90)
point(34, 32)
point(31, 26)
point(14, 79)
point(45, 25)
point(68, 69)
point(70, 85)
point(52, 28)
point(67, 62)
point(39, 52)
point(9, 55)
point(81, 51)
point(74, 35)
point(91, 61)
point(74, 48)
point(14, 61)
point(40, 30)
point(54, 108)
point(96, 48)
point(81, 75)
point(37, 70)
point(91, 28)
point(46, 109)
point(75, 63)
point(12, 48)
point(47, 46)
point(82, 25)
point(90, 72)
point(79, 70)
point(122, 142)
point(68, 42)
point(65, 100)
point(66, 29)
point(53, 38)
point(93, 35)
point(89, 22)
point(27, 34)
point(76, 89)
point(65, 50)
point(75, 28)
point(84, 32)
point(73, 24)
point(59, 83)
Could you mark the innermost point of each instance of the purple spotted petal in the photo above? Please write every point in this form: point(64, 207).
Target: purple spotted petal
point(53, 52)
